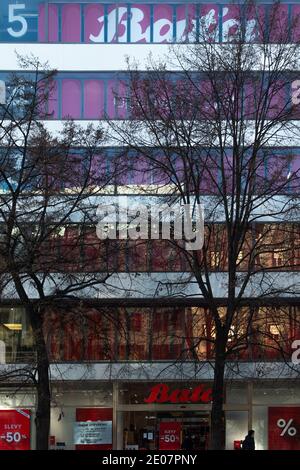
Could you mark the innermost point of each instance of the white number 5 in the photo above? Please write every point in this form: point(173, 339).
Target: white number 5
point(12, 18)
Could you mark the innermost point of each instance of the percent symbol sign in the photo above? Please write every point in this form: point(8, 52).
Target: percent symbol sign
point(286, 427)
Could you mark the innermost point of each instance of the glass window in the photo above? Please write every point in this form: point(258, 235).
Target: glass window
point(276, 393)
point(93, 99)
point(208, 23)
point(278, 23)
point(94, 23)
point(52, 21)
point(260, 425)
point(71, 99)
point(122, 23)
point(53, 101)
point(71, 23)
point(2, 92)
point(295, 25)
point(163, 23)
point(140, 23)
point(15, 335)
point(236, 427)
point(236, 394)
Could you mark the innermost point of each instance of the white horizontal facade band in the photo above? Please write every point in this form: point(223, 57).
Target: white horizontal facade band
point(162, 370)
point(113, 57)
point(80, 57)
point(116, 133)
point(273, 209)
point(140, 285)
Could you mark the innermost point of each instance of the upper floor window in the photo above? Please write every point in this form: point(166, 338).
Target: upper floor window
point(158, 22)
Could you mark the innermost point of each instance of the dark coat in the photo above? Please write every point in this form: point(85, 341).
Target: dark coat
point(248, 443)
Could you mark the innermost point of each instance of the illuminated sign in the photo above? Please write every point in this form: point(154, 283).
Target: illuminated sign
point(162, 393)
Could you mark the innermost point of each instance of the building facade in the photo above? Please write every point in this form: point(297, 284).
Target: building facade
point(144, 388)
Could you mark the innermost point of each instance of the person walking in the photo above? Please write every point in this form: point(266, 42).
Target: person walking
point(249, 442)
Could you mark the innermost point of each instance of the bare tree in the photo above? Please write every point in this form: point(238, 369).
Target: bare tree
point(211, 134)
point(49, 250)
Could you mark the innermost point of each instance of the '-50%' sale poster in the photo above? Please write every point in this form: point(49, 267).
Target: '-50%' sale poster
point(169, 435)
point(15, 429)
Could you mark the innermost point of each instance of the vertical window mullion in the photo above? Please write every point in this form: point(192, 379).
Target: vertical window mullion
point(59, 7)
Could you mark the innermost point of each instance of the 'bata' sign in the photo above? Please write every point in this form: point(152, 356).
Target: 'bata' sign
point(161, 393)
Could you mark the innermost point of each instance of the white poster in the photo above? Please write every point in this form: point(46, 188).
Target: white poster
point(92, 432)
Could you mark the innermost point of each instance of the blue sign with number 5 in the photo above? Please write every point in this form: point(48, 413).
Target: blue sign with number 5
point(19, 20)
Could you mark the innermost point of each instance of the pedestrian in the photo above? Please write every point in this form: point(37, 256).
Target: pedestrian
point(187, 443)
point(249, 443)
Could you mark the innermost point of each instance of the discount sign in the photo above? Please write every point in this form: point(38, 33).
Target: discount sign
point(284, 428)
point(169, 435)
point(14, 429)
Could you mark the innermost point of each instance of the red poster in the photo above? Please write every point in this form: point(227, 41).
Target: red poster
point(284, 428)
point(169, 435)
point(15, 429)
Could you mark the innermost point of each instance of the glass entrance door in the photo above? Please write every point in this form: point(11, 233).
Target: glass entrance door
point(164, 430)
point(195, 428)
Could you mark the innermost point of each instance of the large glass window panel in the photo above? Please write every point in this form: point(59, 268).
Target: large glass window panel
point(121, 99)
point(112, 95)
point(53, 105)
point(122, 23)
point(71, 23)
point(231, 22)
point(295, 23)
point(52, 333)
point(255, 21)
point(278, 23)
point(163, 23)
point(94, 23)
point(93, 99)
point(16, 334)
point(237, 394)
point(94, 336)
point(181, 23)
point(260, 425)
point(140, 23)
point(53, 32)
point(117, 23)
point(192, 20)
point(276, 393)
point(71, 98)
point(236, 427)
point(208, 23)
point(73, 336)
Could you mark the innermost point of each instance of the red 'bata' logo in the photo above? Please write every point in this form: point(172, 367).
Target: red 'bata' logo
point(161, 393)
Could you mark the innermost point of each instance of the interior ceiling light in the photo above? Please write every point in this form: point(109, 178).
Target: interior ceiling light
point(13, 326)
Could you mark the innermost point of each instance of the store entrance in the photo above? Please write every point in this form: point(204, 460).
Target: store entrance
point(194, 428)
point(166, 430)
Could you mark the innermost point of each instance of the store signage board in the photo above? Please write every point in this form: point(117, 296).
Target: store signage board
point(163, 393)
point(19, 20)
point(93, 432)
point(15, 429)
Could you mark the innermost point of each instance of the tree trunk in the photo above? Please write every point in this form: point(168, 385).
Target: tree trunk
point(42, 420)
point(217, 441)
point(43, 405)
